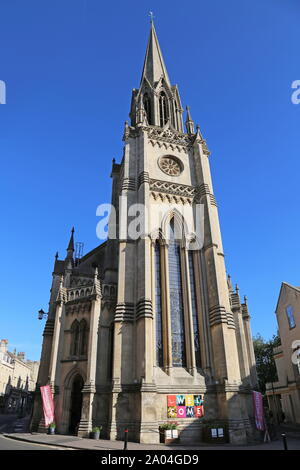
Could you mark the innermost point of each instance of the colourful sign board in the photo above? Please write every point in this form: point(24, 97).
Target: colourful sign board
point(185, 406)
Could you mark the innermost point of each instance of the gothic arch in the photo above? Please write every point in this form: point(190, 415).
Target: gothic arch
point(180, 225)
point(76, 370)
point(164, 108)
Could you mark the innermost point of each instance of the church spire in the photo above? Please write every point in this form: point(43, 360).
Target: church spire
point(156, 102)
point(154, 65)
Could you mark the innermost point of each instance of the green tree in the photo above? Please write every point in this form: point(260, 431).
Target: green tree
point(265, 363)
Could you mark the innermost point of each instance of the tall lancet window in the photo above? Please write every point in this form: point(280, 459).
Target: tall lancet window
point(74, 338)
point(147, 107)
point(163, 109)
point(176, 301)
point(194, 310)
point(158, 309)
point(83, 339)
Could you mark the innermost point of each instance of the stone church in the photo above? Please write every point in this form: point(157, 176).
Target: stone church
point(147, 329)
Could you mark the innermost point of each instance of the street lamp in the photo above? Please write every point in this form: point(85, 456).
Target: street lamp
point(42, 314)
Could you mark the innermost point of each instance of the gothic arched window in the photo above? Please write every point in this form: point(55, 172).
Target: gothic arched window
point(79, 338)
point(74, 338)
point(158, 308)
point(147, 107)
point(176, 301)
point(83, 332)
point(163, 109)
point(194, 310)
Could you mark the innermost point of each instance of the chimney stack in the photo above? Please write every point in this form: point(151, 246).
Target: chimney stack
point(3, 345)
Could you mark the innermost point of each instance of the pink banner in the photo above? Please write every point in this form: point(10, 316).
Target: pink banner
point(48, 404)
point(259, 411)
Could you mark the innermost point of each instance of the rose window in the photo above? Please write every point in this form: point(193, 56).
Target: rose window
point(170, 166)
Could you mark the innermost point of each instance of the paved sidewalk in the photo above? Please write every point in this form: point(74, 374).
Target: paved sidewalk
point(77, 443)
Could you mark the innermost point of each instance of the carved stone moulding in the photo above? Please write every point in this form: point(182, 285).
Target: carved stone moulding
point(128, 184)
point(79, 307)
point(167, 198)
point(144, 308)
point(124, 311)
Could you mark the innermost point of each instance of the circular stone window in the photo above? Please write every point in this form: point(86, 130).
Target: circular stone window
point(170, 165)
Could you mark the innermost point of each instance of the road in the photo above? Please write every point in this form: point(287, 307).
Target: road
point(11, 444)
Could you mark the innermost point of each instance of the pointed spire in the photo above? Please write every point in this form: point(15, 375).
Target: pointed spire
point(97, 285)
point(141, 113)
point(154, 65)
point(70, 249)
point(229, 283)
point(56, 256)
point(189, 123)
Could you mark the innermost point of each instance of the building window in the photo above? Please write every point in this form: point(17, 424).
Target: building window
point(79, 338)
point(158, 308)
point(163, 109)
point(83, 340)
point(194, 311)
point(147, 107)
point(290, 316)
point(176, 301)
point(74, 338)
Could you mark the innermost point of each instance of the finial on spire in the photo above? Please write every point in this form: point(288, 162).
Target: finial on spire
point(151, 16)
point(96, 272)
point(56, 255)
point(246, 299)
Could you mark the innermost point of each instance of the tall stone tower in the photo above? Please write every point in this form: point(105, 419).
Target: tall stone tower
point(146, 328)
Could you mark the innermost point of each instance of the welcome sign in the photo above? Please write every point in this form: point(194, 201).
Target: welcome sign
point(185, 406)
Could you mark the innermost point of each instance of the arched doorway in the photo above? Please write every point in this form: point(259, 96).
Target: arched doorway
point(76, 404)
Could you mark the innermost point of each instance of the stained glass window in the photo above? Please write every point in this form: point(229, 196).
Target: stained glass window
point(158, 309)
point(176, 302)
point(194, 310)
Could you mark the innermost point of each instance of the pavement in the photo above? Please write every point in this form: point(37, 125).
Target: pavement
point(11, 428)
point(77, 443)
point(13, 444)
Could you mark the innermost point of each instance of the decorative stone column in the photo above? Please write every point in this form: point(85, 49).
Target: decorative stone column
point(89, 389)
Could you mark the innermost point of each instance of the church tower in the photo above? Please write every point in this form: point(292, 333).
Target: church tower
point(147, 325)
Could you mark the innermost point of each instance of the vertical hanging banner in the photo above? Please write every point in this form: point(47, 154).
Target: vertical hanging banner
point(48, 404)
point(258, 411)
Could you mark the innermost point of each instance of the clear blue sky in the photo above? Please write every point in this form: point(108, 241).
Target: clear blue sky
point(69, 67)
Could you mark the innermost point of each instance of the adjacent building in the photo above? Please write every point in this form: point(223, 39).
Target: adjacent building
point(17, 380)
point(147, 329)
point(284, 395)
